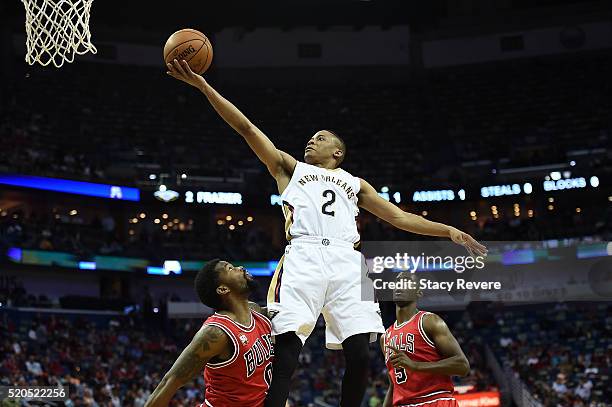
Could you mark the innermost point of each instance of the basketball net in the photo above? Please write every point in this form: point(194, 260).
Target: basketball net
point(57, 30)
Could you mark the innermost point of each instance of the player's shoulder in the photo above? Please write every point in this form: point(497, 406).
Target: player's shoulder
point(432, 321)
point(261, 318)
point(213, 333)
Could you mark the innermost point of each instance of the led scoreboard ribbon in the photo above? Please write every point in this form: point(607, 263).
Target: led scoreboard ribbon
point(72, 187)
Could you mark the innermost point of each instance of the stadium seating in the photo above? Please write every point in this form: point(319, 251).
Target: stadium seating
point(120, 359)
point(512, 113)
point(542, 342)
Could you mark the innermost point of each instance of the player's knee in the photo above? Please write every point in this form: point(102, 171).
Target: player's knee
point(287, 348)
point(357, 360)
point(356, 351)
point(288, 343)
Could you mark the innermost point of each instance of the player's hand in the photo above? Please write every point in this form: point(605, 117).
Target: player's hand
point(399, 359)
point(182, 71)
point(473, 247)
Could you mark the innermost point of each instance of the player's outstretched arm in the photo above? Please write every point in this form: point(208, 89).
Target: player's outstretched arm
point(455, 362)
point(208, 342)
point(276, 160)
point(388, 402)
point(372, 202)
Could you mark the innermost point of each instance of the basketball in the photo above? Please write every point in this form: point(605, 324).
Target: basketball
point(192, 46)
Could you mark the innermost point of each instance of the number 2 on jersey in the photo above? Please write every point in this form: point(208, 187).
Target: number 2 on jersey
point(331, 198)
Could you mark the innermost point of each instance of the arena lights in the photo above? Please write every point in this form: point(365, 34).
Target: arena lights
point(563, 184)
point(15, 254)
point(87, 265)
point(165, 195)
point(72, 187)
point(500, 190)
point(384, 193)
point(433, 196)
point(169, 267)
point(173, 266)
point(275, 199)
point(207, 197)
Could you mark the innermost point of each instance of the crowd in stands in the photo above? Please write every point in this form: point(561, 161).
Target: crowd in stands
point(99, 234)
point(118, 361)
point(501, 114)
point(561, 351)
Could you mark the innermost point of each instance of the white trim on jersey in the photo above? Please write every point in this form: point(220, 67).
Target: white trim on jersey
point(234, 340)
point(207, 403)
point(396, 326)
point(265, 318)
point(426, 402)
point(422, 330)
point(433, 394)
point(243, 327)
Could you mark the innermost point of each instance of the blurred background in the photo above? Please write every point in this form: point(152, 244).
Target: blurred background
point(492, 116)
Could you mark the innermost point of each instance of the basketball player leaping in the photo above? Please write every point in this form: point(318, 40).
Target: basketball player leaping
point(421, 355)
point(320, 273)
point(233, 347)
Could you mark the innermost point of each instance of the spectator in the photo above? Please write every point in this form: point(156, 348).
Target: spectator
point(583, 390)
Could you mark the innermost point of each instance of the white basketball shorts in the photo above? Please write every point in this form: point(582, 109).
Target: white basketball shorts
point(323, 276)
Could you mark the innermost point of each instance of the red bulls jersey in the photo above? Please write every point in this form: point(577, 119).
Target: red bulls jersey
point(415, 388)
point(243, 379)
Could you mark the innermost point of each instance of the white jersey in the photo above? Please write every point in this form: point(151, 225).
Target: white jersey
point(321, 202)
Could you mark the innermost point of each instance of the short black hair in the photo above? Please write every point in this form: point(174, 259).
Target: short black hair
point(341, 143)
point(206, 283)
